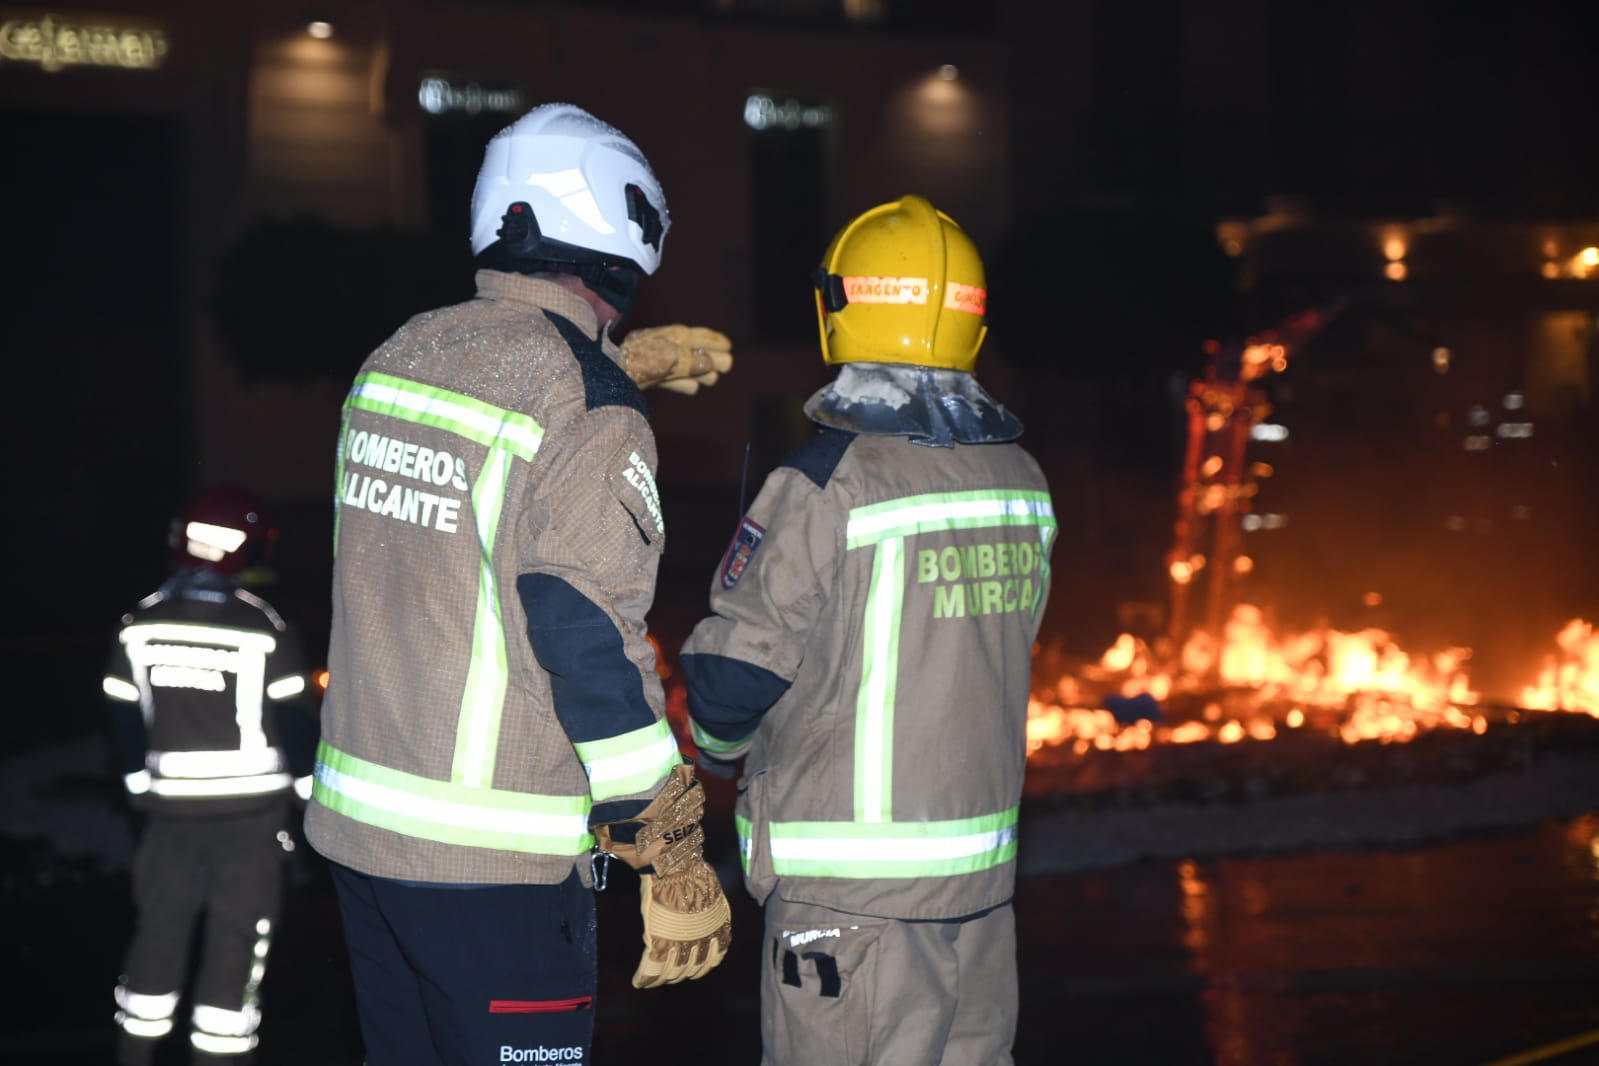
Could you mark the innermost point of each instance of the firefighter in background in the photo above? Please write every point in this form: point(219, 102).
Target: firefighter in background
point(868, 656)
point(212, 725)
point(493, 707)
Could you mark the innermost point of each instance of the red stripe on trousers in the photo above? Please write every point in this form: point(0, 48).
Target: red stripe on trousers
point(538, 1006)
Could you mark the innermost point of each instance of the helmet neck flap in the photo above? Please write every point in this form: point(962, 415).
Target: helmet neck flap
point(930, 405)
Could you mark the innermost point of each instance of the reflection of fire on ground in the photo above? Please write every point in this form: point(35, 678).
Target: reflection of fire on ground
point(1253, 684)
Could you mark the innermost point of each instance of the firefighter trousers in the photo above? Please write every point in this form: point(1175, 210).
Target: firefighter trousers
point(470, 975)
point(854, 990)
point(227, 874)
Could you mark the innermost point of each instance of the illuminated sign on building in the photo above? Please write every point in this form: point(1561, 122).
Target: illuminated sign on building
point(52, 43)
point(440, 95)
point(763, 112)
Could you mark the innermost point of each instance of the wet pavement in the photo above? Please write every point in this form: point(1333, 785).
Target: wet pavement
point(1463, 951)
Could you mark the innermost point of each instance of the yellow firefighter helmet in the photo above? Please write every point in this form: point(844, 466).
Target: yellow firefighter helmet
point(902, 283)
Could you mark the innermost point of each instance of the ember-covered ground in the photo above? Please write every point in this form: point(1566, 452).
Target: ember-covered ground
point(1373, 914)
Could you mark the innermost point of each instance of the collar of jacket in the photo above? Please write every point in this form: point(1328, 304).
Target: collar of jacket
point(545, 296)
point(193, 582)
point(930, 405)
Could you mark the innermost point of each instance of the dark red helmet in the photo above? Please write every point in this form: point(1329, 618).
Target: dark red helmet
point(223, 529)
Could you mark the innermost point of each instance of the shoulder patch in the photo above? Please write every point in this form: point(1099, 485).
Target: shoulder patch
point(741, 550)
point(605, 383)
point(818, 457)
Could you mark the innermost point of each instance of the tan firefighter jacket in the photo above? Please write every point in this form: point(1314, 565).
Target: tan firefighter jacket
point(496, 544)
point(886, 596)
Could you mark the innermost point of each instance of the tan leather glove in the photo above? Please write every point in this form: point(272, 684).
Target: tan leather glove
point(688, 924)
point(679, 358)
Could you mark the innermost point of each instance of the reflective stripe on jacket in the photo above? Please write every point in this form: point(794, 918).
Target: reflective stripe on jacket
point(198, 679)
point(496, 544)
point(889, 607)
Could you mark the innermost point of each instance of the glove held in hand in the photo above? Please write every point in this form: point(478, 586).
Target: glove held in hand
point(677, 358)
point(687, 919)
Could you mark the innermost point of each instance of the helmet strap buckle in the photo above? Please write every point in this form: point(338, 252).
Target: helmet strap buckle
point(831, 288)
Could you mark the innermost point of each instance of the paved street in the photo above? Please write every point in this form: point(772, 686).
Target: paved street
point(1459, 952)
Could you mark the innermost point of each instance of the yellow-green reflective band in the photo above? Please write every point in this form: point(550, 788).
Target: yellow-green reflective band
point(746, 840)
point(488, 673)
point(893, 849)
point(448, 813)
point(631, 762)
point(715, 745)
point(940, 511)
point(874, 703)
point(485, 424)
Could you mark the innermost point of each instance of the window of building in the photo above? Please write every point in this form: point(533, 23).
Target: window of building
point(789, 151)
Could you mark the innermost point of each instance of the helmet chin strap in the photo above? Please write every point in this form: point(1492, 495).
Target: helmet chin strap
point(617, 286)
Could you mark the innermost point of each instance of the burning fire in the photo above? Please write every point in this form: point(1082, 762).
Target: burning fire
point(1253, 683)
point(1568, 681)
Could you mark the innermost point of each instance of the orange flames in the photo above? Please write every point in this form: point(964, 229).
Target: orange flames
point(1569, 680)
point(1253, 683)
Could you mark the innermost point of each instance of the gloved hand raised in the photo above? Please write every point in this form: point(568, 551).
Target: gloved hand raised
point(688, 924)
point(679, 358)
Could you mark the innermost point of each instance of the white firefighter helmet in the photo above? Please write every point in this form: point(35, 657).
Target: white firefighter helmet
point(561, 191)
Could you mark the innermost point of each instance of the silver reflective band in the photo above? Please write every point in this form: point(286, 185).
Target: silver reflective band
point(149, 1007)
point(229, 762)
point(150, 653)
point(147, 1016)
point(143, 1027)
point(182, 788)
point(119, 689)
point(242, 639)
point(137, 783)
point(284, 687)
point(163, 676)
point(216, 1021)
point(156, 648)
point(303, 786)
point(222, 1045)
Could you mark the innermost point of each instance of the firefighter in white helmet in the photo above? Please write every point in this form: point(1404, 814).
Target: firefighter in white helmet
point(214, 729)
point(493, 708)
point(868, 655)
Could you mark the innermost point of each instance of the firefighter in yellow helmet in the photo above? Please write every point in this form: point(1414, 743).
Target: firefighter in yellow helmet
point(868, 656)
